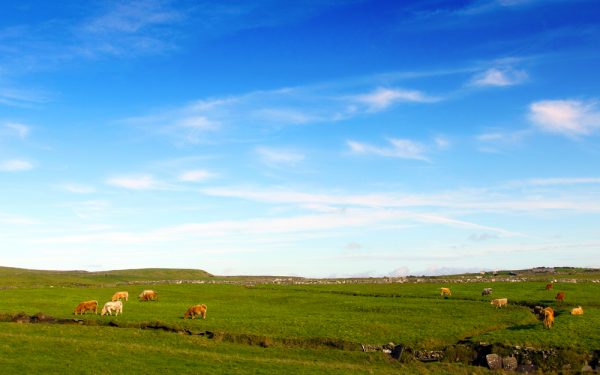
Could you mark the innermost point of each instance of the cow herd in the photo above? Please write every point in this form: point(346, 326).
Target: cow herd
point(546, 313)
point(116, 305)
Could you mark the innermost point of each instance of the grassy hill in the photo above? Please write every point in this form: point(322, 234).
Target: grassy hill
point(18, 277)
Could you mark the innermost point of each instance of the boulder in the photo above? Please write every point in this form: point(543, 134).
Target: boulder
point(494, 361)
point(509, 363)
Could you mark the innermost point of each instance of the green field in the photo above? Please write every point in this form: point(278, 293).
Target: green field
point(270, 328)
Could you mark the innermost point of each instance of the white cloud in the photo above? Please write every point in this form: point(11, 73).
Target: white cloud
point(567, 117)
point(129, 28)
point(400, 148)
point(499, 77)
point(136, 182)
point(273, 156)
point(21, 130)
point(15, 165)
point(498, 200)
point(382, 98)
point(197, 175)
point(239, 116)
point(563, 181)
point(78, 188)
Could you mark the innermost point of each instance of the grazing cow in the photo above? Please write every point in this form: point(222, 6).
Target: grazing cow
point(499, 302)
point(445, 292)
point(109, 307)
point(194, 311)
point(539, 311)
point(548, 317)
point(560, 297)
point(119, 295)
point(83, 307)
point(577, 311)
point(549, 286)
point(148, 295)
point(486, 291)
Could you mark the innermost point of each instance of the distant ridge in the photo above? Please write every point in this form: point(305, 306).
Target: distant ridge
point(10, 276)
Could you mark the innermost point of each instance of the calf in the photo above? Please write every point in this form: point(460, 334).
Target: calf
point(445, 292)
point(548, 317)
point(499, 302)
point(109, 307)
point(194, 311)
point(549, 286)
point(83, 307)
point(486, 291)
point(560, 297)
point(577, 311)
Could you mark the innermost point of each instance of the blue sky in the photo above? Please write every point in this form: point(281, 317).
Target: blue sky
point(322, 138)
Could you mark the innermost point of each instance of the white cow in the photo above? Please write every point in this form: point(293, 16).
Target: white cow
point(109, 307)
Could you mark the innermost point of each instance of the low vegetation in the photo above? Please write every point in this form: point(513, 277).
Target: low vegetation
point(278, 328)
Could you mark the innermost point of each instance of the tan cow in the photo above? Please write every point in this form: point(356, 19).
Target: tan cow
point(577, 311)
point(194, 311)
point(445, 292)
point(109, 307)
point(119, 295)
point(548, 317)
point(499, 302)
point(83, 307)
point(148, 295)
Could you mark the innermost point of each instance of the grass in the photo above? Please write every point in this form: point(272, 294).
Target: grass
point(290, 328)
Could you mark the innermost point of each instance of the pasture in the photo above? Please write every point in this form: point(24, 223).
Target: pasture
point(271, 328)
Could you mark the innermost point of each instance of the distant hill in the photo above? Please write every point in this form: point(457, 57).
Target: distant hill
point(26, 277)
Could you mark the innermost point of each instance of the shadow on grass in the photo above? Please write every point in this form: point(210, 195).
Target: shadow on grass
point(522, 327)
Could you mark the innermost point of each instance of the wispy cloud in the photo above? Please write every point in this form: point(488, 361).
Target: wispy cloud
point(77, 188)
point(15, 165)
point(128, 28)
point(562, 181)
point(195, 122)
point(399, 148)
point(572, 118)
point(21, 130)
point(499, 77)
point(382, 98)
point(279, 156)
point(494, 141)
point(197, 175)
point(505, 199)
point(21, 98)
point(136, 182)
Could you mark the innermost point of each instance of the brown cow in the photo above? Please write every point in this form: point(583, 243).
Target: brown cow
point(194, 311)
point(119, 295)
point(548, 317)
point(560, 297)
point(549, 286)
point(499, 302)
point(445, 292)
point(577, 311)
point(148, 295)
point(83, 307)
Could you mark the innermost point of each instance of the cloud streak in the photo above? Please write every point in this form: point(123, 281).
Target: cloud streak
point(136, 182)
point(399, 148)
point(15, 165)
